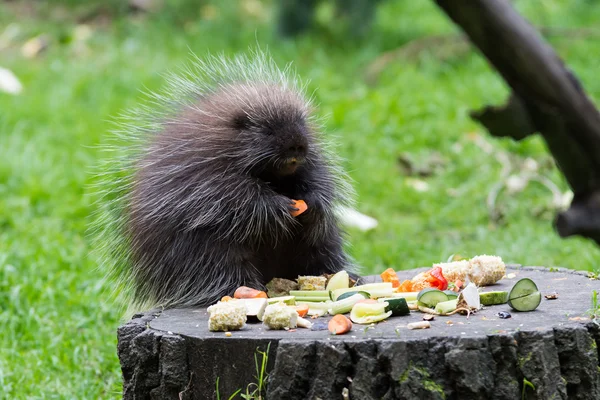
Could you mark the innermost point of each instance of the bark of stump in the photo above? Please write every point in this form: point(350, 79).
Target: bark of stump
point(171, 354)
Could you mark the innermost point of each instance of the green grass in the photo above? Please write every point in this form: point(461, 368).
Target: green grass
point(57, 320)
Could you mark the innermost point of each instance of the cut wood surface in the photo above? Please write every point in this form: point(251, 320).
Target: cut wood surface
point(547, 98)
point(171, 354)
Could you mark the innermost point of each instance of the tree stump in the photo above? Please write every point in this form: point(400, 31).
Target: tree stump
point(171, 353)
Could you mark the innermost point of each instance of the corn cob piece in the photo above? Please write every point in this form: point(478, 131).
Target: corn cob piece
point(482, 270)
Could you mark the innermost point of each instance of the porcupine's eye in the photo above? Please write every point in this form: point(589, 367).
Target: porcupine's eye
point(241, 122)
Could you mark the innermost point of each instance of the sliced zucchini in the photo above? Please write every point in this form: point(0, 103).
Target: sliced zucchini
point(451, 294)
point(430, 297)
point(349, 294)
point(397, 305)
point(493, 298)
point(524, 296)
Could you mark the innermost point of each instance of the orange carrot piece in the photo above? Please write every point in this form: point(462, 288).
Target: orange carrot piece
point(339, 324)
point(302, 310)
point(389, 275)
point(457, 285)
point(244, 292)
point(300, 205)
point(406, 286)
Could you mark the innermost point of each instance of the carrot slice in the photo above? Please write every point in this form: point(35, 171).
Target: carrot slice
point(389, 275)
point(244, 292)
point(406, 286)
point(457, 285)
point(339, 324)
point(300, 205)
point(302, 310)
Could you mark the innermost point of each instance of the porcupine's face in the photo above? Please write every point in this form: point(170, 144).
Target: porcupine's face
point(279, 139)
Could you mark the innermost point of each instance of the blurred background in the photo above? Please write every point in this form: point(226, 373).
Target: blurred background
point(394, 81)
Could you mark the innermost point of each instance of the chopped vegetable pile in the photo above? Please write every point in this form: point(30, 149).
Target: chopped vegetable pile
point(439, 291)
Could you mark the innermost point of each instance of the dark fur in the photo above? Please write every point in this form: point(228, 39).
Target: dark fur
point(209, 209)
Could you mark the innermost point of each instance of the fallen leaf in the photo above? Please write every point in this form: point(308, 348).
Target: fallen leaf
point(418, 185)
point(9, 83)
point(34, 46)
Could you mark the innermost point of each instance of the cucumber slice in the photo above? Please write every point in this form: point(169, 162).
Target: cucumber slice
point(524, 295)
point(349, 294)
point(523, 287)
point(397, 305)
point(340, 280)
point(492, 298)
point(451, 294)
point(289, 300)
point(526, 303)
point(430, 297)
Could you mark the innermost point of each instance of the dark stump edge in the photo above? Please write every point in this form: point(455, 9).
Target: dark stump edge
point(560, 362)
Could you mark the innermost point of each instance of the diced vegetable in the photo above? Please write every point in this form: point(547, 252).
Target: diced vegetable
point(280, 316)
point(345, 305)
point(524, 296)
point(405, 286)
point(523, 287)
point(493, 298)
point(451, 294)
point(436, 278)
point(526, 303)
point(389, 275)
point(311, 283)
point(255, 308)
point(227, 316)
point(302, 310)
point(340, 280)
point(244, 292)
point(408, 296)
point(348, 294)
point(339, 324)
point(304, 323)
point(311, 295)
point(300, 205)
point(430, 297)
point(419, 325)
point(468, 299)
point(368, 313)
point(289, 300)
point(317, 309)
point(375, 290)
point(397, 305)
point(446, 307)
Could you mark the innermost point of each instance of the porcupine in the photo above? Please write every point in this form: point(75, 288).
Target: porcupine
point(204, 200)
